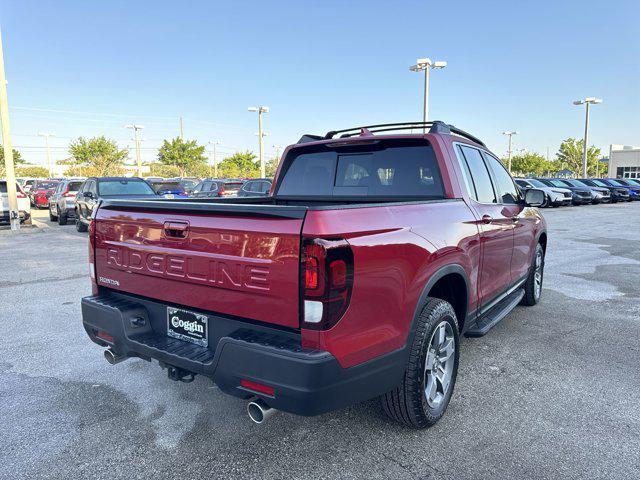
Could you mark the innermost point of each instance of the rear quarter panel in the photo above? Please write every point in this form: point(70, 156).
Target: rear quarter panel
point(396, 250)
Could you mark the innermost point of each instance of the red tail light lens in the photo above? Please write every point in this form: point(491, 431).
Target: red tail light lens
point(221, 191)
point(326, 283)
point(258, 387)
point(19, 194)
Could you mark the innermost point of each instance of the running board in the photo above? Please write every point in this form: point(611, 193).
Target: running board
point(490, 319)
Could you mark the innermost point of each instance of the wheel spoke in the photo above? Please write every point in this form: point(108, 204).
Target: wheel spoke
point(444, 378)
point(431, 388)
point(446, 350)
point(428, 362)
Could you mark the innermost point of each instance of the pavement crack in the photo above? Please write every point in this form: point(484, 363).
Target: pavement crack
point(45, 279)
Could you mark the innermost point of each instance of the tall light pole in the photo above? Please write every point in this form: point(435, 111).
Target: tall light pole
point(12, 193)
point(46, 143)
point(260, 111)
point(509, 134)
point(215, 160)
point(426, 64)
point(587, 101)
point(135, 129)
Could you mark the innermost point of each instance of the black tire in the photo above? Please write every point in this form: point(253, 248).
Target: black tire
point(52, 217)
point(81, 227)
point(545, 204)
point(407, 403)
point(62, 218)
point(532, 293)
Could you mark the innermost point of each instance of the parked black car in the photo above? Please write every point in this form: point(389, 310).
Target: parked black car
point(618, 194)
point(579, 195)
point(634, 191)
point(95, 188)
point(258, 187)
point(217, 188)
point(598, 194)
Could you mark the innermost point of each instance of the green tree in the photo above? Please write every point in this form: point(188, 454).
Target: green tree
point(186, 155)
point(32, 171)
point(570, 156)
point(239, 165)
point(166, 171)
point(96, 156)
point(17, 160)
point(529, 163)
point(271, 167)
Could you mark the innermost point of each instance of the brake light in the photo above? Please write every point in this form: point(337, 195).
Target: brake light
point(221, 191)
point(20, 194)
point(326, 283)
point(67, 193)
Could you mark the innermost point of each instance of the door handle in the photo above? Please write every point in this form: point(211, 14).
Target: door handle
point(176, 229)
point(487, 219)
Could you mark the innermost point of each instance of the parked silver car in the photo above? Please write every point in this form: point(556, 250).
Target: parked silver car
point(62, 203)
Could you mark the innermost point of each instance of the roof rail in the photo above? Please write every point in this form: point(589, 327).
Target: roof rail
point(435, 126)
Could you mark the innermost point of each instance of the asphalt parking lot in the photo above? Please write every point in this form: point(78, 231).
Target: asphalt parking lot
point(552, 392)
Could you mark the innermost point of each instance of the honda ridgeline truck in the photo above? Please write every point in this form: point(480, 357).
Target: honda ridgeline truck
point(352, 280)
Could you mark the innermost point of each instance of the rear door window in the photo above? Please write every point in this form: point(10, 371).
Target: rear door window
point(385, 168)
point(505, 188)
point(483, 187)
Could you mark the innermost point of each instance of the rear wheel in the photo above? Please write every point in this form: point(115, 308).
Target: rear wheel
point(425, 391)
point(52, 217)
point(533, 284)
point(62, 218)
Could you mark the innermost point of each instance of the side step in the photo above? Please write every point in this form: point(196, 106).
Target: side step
point(491, 318)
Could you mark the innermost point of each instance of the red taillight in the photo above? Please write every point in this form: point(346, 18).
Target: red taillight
point(67, 193)
point(327, 270)
point(221, 191)
point(258, 387)
point(19, 194)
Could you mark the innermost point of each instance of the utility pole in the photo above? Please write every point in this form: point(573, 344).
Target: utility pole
point(509, 134)
point(215, 159)
point(261, 135)
point(587, 101)
point(46, 143)
point(426, 64)
point(181, 129)
point(135, 129)
point(12, 193)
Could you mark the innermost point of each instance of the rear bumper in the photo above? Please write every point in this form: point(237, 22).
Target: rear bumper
point(306, 382)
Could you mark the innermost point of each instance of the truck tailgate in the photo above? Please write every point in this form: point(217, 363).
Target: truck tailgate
point(229, 262)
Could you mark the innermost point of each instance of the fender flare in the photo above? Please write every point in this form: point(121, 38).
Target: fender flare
point(433, 279)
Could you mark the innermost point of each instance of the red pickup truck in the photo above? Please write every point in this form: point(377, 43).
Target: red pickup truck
point(352, 280)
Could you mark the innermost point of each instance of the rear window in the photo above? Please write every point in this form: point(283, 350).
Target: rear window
point(125, 187)
point(232, 187)
point(74, 186)
point(46, 185)
point(388, 168)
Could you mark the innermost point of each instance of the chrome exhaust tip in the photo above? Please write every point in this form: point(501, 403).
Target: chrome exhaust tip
point(259, 411)
point(113, 358)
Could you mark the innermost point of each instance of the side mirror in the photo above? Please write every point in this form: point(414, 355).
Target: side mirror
point(533, 197)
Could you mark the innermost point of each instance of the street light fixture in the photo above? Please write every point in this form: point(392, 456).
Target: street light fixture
point(215, 160)
point(509, 134)
point(587, 101)
point(135, 129)
point(426, 64)
point(261, 135)
point(46, 143)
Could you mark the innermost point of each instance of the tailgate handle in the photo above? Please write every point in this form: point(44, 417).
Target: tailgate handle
point(176, 229)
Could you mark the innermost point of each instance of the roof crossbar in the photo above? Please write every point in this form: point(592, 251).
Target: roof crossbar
point(435, 126)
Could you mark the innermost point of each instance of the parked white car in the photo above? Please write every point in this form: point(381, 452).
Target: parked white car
point(24, 206)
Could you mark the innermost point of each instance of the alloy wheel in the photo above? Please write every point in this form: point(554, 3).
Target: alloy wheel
point(439, 364)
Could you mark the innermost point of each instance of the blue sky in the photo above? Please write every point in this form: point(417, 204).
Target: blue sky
point(88, 68)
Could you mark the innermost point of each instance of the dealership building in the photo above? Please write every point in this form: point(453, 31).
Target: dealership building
point(624, 161)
